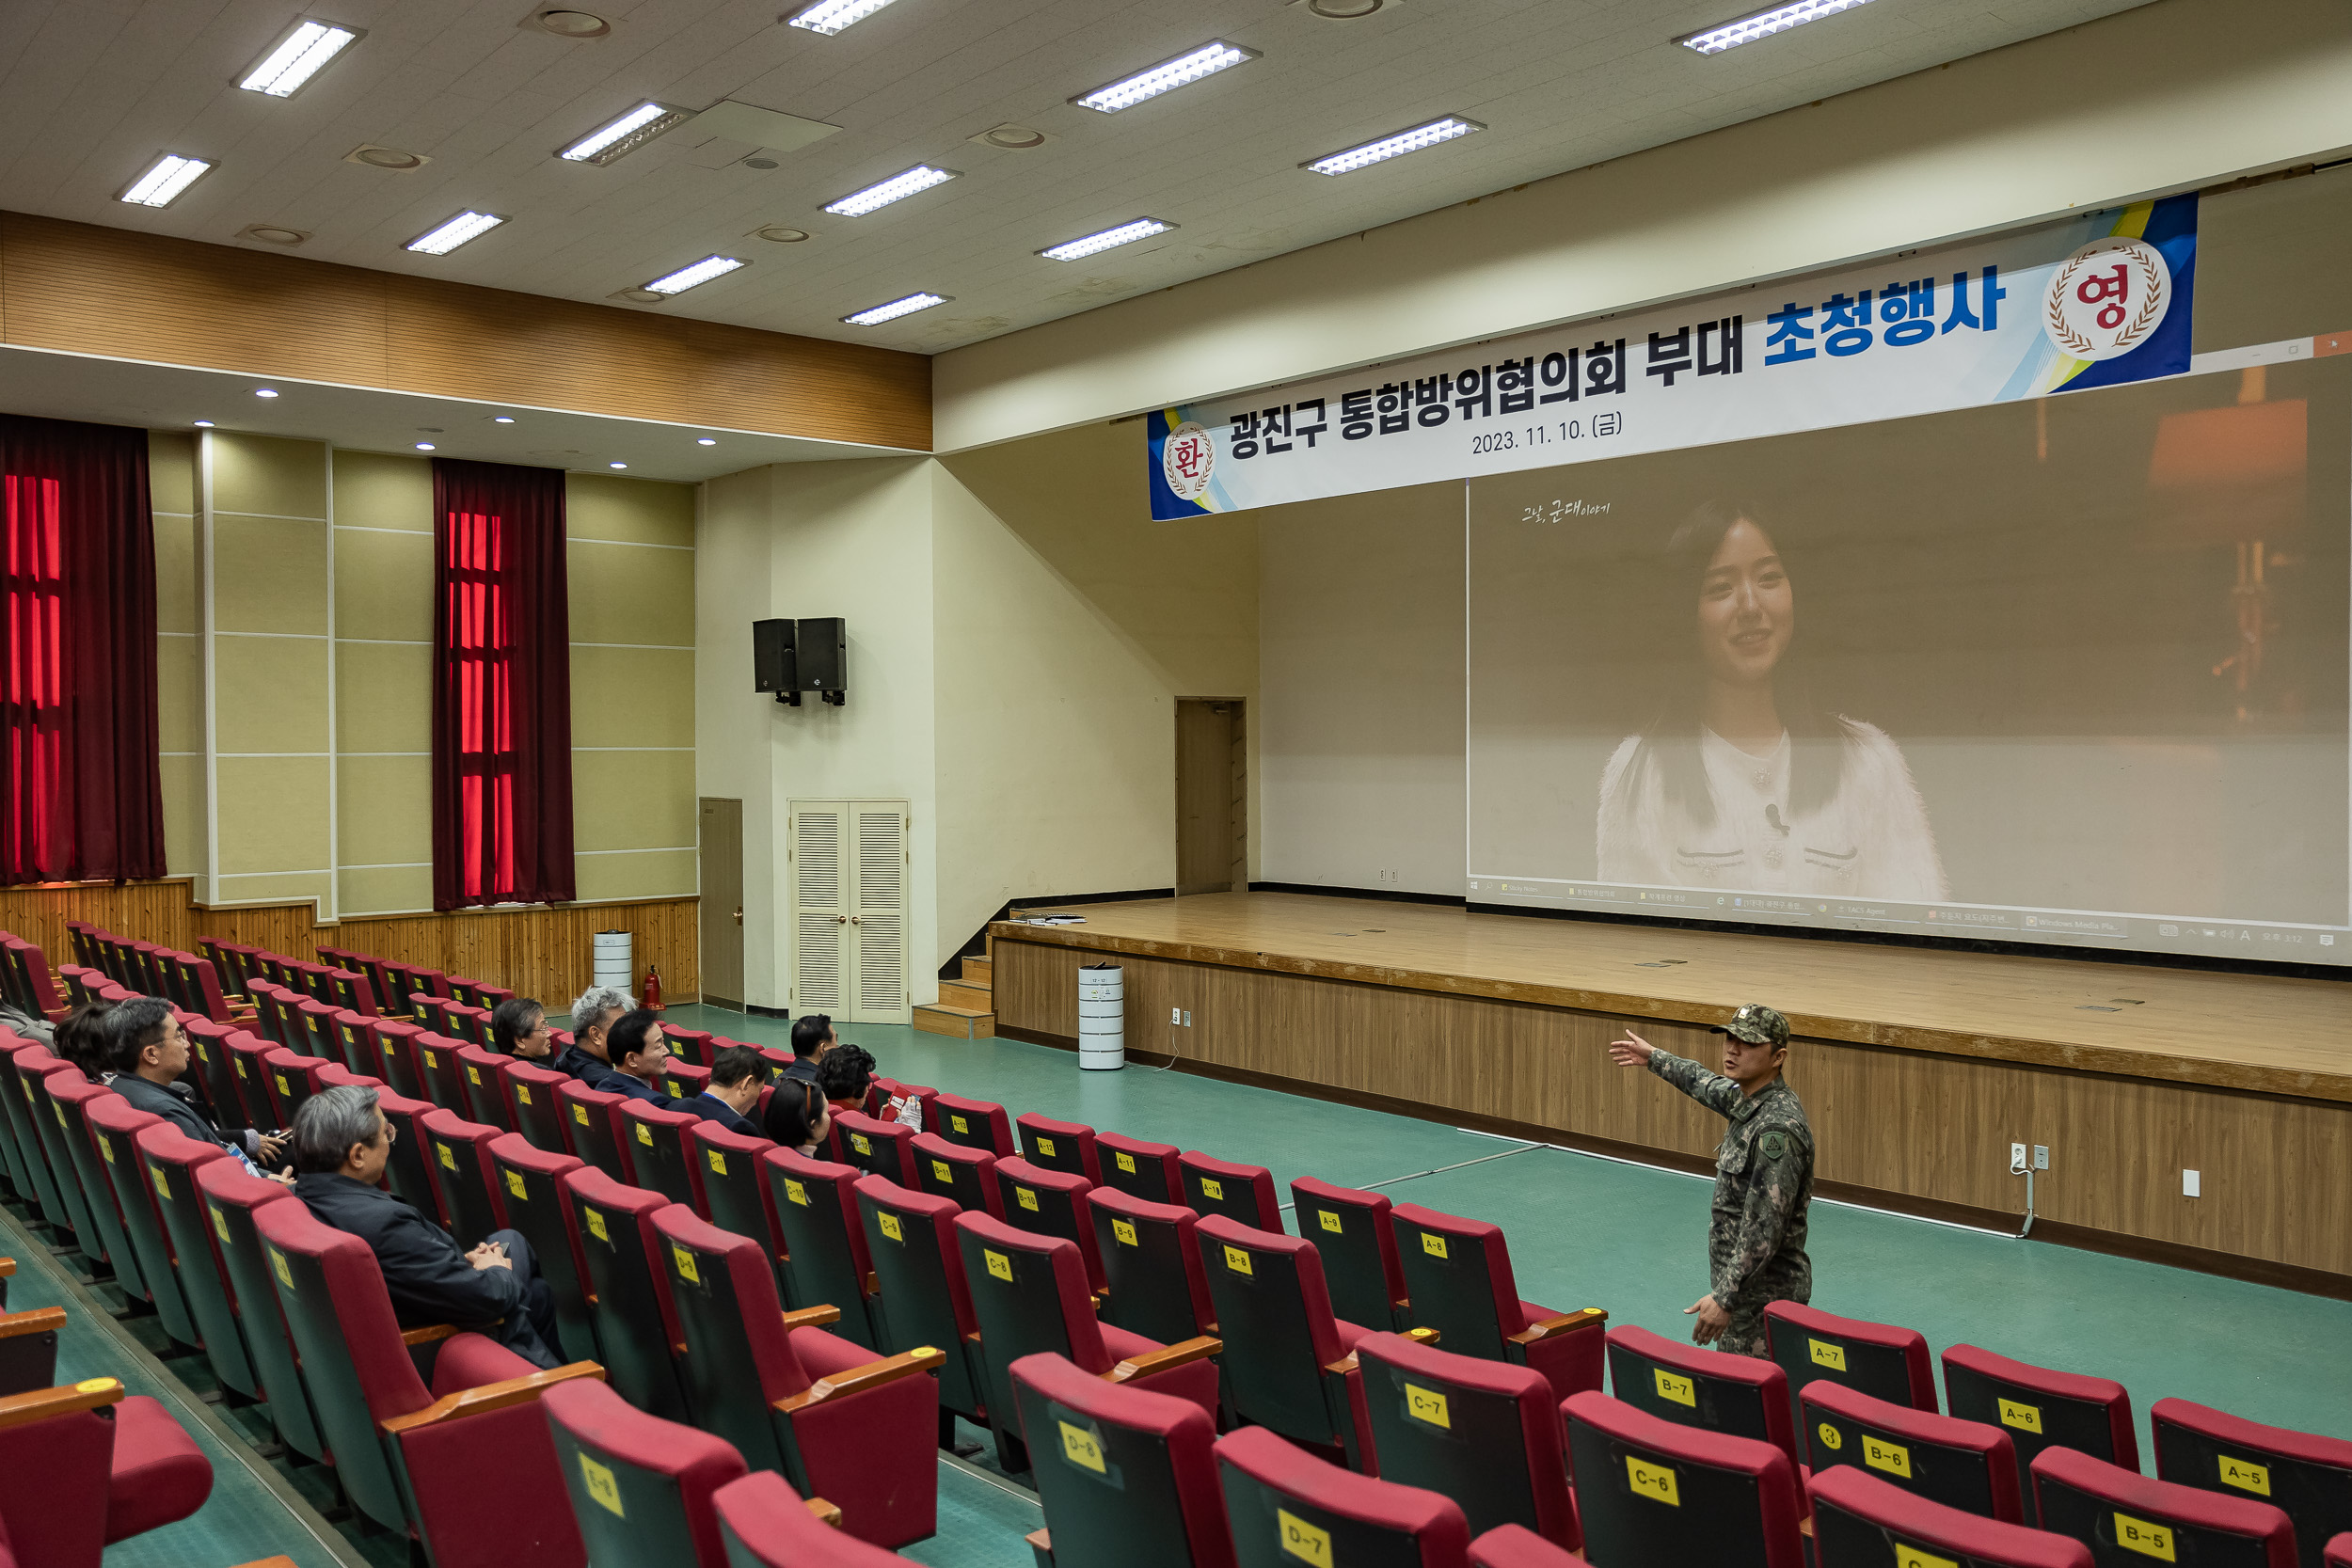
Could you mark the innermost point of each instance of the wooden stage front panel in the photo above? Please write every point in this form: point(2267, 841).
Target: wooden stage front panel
point(1918, 1069)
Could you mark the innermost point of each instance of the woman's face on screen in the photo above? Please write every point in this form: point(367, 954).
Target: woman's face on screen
point(1747, 610)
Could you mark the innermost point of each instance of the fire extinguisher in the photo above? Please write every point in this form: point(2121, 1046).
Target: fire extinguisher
point(652, 1002)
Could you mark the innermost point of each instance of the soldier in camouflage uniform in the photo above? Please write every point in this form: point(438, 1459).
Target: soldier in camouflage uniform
point(1763, 1176)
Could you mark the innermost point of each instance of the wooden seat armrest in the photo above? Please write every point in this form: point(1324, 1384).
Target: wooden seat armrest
point(7, 1267)
point(840, 1385)
point(39, 1319)
point(1165, 1359)
point(873, 1283)
point(1566, 1322)
point(826, 1512)
point(270, 1562)
point(414, 1337)
point(1344, 1366)
point(1042, 1543)
point(489, 1397)
point(39, 1405)
point(811, 1316)
point(1422, 1335)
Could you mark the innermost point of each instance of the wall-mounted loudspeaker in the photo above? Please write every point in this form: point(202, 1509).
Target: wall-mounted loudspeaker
point(773, 668)
point(822, 656)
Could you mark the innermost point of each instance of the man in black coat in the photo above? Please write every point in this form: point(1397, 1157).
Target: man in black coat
point(737, 1076)
point(342, 1142)
point(147, 1049)
point(592, 1017)
point(640, 1054)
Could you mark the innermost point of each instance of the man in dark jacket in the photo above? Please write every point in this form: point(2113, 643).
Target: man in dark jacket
point(640, 1054)
point(812, 1037)
point(342, 1142)
point(737, 1076)
point(148, 1051)
point(587, 1057)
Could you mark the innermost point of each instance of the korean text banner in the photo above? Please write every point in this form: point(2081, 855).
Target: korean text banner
point(2095, 301)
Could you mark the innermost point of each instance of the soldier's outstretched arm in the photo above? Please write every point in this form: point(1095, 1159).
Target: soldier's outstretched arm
point(1776, 1171)
point(1711, 1089)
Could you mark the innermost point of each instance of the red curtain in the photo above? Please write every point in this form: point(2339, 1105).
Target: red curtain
point(503, 692)
point(85, 797)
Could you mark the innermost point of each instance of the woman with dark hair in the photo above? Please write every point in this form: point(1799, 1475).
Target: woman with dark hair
point(81, 1038)
point(519, 1027)
point(797, 1116)
point(1744, 779)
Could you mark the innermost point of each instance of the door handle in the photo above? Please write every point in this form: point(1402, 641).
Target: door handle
point(739, 914)
point(857, 919)
point(841, 919)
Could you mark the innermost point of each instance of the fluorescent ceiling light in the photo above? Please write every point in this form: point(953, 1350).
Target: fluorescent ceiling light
point(626, 134)
point(456, 231)
point(1166, 76)
point(203, 424)
point(878, 314)
point(616, 465)
point(832, 16)
point(1764, 24)
point(701, 272)
point(300, 55)
point(164, 179)
point(922, 177)
point(1381, 151)
point(264, 391)
point(1088, 244)
point(424, 446)
point(705, 441)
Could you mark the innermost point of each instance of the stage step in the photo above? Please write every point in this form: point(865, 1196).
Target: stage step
point(963, 1023)
point(963, 993)
point(979, 971)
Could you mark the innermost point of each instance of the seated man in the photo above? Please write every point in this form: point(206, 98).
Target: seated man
point(592, 1017)
point(844, 1076)
point(519, 1027)
point(812, 1038)
point(342, 1143)
point(638, 1052)
point(148, 1051)
point(737, 1077)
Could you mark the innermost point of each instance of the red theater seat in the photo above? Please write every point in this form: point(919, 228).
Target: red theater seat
point(458, 1159)
point(1515, 1546)
point(533, 1099)
point(1140, 1168)
point(658, 1152)
point(482, 1085)
point(588, 1123)
point(1860, 1521)
point(1285, 1505)
point(1051, 1203)
point(1458, 1273)
point(1151, 1267)
point(1962, 1464)
point(1650, 1492)
point(2308, 1475)
point(1878, 1359)
point(1080, 1430)
point(540, 1206)
point(919, 1267)
point(975, 1123)
point(825, 1262)
point(958, 1172)
point(1740, 1396)
point(1243, 1193)
point(883, 1148)
point(735, 1190)
point(1486, 1434)
point(1351, 1230)
point(2125, 1518)
point(1289, 1365)
point(1063, 1145)
point(2039, 1407)
point(640, 1485)
point(627, 1287)
point(230, 1199)
point(85, 1467)
point(766, 1525)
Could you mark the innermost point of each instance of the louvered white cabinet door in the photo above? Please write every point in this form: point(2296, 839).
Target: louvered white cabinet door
point(877, 915)
point(822, 955)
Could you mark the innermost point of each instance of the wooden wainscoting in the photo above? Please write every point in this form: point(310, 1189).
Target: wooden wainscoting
point(542, 951)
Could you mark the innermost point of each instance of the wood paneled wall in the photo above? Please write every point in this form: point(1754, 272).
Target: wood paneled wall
point(543, 952)
point(1930, 1128)
point(87, 290)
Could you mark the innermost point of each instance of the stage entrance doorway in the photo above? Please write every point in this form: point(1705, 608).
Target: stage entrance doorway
point(1212, 796)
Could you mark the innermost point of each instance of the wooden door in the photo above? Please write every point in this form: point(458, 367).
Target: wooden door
point(849, 917)
point(722, 902)
point(1212, 837)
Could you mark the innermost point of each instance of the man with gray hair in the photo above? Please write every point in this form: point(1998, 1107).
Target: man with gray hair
point(587, 1057)
point(342, 1142)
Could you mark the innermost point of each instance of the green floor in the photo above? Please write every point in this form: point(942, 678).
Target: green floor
point(1584, 1233)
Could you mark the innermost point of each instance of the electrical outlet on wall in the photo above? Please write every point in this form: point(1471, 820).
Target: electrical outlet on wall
point(1175, 1016)
point(2041, 1156)
point(1187, 1019)
point(2192, 1184)
point(2017, 1159)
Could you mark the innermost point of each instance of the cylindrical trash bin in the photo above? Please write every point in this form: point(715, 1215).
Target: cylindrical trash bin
point(1101, 1017)
point(615, 960)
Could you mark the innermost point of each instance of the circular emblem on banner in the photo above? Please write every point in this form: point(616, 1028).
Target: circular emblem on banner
point(1188, 458)
point(2107, 299)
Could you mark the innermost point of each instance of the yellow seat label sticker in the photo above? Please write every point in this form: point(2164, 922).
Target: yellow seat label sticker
point(1236, 1260)
point(1908, 1556)
point(473, 1075)
point(1026, 1198)
point(523, 1093)
point(1880, 1454)
point(857, 1141)
point(675, 1093)
point(163, 1188)
point(1826, 1354)
point(1830, 1437)
point(1079, 1447)
point(602, 1489)
point(889, 1223)
point(595, 1220)
point(958, 1124)
point(1331, 1221)
point(431, 1060)
point(1045, 1147)
point(285, 1275)
point(580, 1115)
point(1126, 1232)
point(718, 1162)
point(1653, 1481)
point(1427, 1404)
point(515, 1186)
point(644, 1134)
point(2246, 1475)
point(2025, 1418)
point(106, 1147)
point(1210, 1188)
point(281, 1084)
point(998, 1264)
point(1681, 1390)
point(1433, 1244)
point(2148, 1540)
point(448, 1159)
point(942, 1173)
point(1126, 1163)
point(686, 1269)
point(795, 1193)
point(220, 1225)
point(1302, 1541)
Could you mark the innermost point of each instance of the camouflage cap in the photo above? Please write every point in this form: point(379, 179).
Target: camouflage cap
point(1759, 1025)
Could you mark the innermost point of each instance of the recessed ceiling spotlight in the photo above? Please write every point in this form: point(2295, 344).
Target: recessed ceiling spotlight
point(877, 315)
point(273, 234)
point(203, 424)
point(1747, 29)
point(264, 391)
point(299, 55)
point(1166, 76)
point(922, 177)
point(164, 179)
point(639, 297)
point(443, 238)
point(760, 161)
point(831, 16)
point(781, 235)
point(1013, 138)
point(397, 159)
point(572, 25)
point(694, 277)
point(424, 446)
point(1088, 244)
point(1368, 154)
point(1346, 10)
point(626, 134)
point(705, 441)
point(616, 465)
point(501, 419)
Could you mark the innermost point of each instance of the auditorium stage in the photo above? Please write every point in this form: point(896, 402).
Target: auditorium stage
point(1918, 1066)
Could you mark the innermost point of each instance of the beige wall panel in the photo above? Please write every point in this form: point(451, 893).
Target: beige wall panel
point(383, 584)
point(661, 875)
point(376, 489)
point(277, 890)
point(269, 574)
point(387, 891)
point(268, 474)
point(385, 816)
point(384, 697)
point(272, 815)
point(2269, 262)
point(734, 752)
point(179, 581)
point(631, 594)
point(183, 779)
point(645, 511)
point(633, 800)
point(633, 697)
point(179, 694)
point(269, 694)
point(171, 470)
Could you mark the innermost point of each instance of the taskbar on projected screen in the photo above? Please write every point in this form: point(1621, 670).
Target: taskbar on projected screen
point(2275, 944)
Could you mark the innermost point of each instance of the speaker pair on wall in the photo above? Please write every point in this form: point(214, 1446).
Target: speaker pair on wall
point(792, 656)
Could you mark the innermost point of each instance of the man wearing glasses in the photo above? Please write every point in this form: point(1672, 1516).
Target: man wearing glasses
point(639, 1053)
